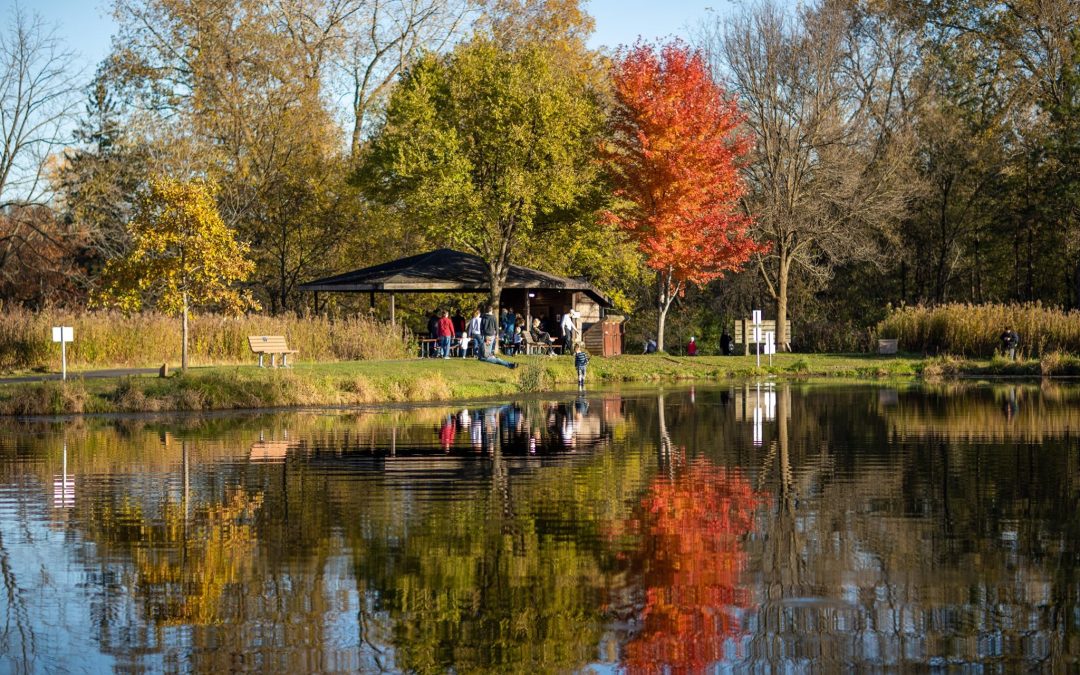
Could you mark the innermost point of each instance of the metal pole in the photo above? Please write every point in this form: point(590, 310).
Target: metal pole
point(757, 344)
point(393, 309)
point(63, 359)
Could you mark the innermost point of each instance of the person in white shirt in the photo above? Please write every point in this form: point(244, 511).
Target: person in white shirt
point(569, 329)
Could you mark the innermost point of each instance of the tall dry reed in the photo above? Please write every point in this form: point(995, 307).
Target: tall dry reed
point(114, 339)
point(975, 330)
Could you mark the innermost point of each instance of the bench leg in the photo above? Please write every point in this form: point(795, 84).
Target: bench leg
point(273, 360)
point(284, 360)
point(261, 361)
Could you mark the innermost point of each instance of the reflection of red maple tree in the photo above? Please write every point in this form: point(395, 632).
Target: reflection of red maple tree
point(692, 525)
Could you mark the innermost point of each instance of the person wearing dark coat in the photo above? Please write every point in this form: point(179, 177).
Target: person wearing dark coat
point(727, 344)
point(489, 329)
point(1010, 340)
point(433, 325)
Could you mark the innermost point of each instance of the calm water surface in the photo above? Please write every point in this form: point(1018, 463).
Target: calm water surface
point(787, 528)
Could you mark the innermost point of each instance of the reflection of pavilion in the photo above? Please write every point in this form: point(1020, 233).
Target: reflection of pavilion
point(428, 444)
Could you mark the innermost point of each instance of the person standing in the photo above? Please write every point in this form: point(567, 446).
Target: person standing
point(489, 328)
point(1010, 340)
point(474, 332)
point(581, 361)
point(507, 324)
point(445, 333)
point(727, 345)
point(432, 348)
point(691, 347)
point(569, 330)
point(517, 340)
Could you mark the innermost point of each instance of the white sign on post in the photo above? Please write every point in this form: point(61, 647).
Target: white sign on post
point(770, 345)
point(63, 335)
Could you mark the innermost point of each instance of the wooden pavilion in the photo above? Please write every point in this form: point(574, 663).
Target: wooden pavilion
point(529, 292)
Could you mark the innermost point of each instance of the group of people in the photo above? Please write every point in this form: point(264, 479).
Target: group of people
point(727, 345)
point(480, 334)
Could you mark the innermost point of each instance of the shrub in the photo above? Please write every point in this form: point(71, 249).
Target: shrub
point(47, 398)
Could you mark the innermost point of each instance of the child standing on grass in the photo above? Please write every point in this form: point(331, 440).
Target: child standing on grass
point(581, 360)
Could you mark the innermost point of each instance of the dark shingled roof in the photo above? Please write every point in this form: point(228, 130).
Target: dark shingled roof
point(445, 270)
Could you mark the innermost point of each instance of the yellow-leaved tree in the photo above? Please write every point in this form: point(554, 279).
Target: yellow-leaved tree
point(182, 255)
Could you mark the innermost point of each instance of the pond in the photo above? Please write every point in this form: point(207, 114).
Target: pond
point(753, 525)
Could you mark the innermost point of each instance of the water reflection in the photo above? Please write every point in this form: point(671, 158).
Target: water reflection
point(782, 527)
point(691, 530)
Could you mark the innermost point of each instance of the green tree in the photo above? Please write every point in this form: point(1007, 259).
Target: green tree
point(181, 254)
point(485, 145)
point(98, 180)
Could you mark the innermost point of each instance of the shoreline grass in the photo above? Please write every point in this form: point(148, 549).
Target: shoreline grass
point(113, 339)
point(359, 383)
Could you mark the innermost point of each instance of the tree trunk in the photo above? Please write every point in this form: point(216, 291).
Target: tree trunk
point(660, 318)
point(497, 273)
point(781, 304)
point(665, 294)
point(184, 333)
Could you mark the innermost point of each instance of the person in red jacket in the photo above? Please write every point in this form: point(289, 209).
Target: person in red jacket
point(691, 348)
point(445, 332)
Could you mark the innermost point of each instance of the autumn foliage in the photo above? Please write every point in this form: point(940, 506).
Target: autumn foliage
point(693, 528)
point(675, 152)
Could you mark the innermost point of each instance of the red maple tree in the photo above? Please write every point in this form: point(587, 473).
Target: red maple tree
point(674, 153)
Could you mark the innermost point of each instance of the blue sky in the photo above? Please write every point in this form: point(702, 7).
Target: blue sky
point(87, 26)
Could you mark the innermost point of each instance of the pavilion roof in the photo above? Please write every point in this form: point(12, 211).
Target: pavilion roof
point(445, 270)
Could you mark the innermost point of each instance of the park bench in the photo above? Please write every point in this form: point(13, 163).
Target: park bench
point(272, 345)
point(534, 347)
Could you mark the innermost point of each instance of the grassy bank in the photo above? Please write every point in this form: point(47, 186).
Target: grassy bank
point(366, 382)
point(109, 339)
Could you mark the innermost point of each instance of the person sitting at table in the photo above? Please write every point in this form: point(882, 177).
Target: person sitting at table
point(541, 337)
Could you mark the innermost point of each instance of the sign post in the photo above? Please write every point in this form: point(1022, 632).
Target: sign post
point(770, 345)
point(756, 315)
point(63, 335)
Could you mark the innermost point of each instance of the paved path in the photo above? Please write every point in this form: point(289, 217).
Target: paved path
point(115, 372)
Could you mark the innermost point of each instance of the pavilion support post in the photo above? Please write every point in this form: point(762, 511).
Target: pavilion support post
point(393, 308)
point(316, 303)
point(373, 299)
